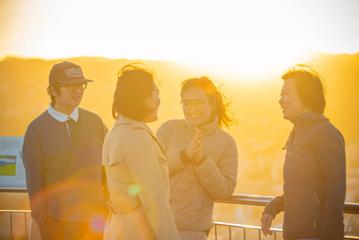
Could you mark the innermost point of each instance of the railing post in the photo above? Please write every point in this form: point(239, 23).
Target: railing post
point(230, 232)
point(25, 225)
point(11, 237)
point(215, 231)
point(244, 233)
point(259, 234)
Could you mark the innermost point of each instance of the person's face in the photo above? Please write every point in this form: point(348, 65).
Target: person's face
point(197, 108)
point(153, 102)
point(290, 102)
point(69, 96)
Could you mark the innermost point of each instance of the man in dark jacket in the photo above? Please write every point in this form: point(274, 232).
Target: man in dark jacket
point(314, 168)
point(62, 158)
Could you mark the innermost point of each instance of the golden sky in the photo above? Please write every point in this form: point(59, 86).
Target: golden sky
point(249, 36)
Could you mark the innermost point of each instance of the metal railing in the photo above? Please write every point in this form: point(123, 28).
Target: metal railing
point(244, 228)
point(13, 216)
point(252, 200)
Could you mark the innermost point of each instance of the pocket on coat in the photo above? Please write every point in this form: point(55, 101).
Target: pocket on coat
point(132, 225)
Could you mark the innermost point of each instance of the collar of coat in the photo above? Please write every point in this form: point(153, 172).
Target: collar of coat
point(303, 122)
point(122, 120)
point(308, 119)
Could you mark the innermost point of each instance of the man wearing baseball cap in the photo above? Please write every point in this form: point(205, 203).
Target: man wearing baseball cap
point(62, 158)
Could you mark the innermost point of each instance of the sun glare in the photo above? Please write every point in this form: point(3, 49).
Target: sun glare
point(251, 67)
point(248, 39)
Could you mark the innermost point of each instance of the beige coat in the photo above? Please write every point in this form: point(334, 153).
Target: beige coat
point(138, 184)
point(195, 187)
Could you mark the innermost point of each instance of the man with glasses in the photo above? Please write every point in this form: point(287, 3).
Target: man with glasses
point(62, 158)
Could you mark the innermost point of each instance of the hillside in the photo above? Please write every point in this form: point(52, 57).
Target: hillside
point(260, 132)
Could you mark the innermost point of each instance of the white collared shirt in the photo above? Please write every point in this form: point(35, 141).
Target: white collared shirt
point(62, 117)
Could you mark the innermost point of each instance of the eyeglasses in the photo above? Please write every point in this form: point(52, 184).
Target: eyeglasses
point(194, 103)
point(76, 87)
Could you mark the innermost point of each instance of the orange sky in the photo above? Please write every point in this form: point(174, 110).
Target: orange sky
point(233, 35)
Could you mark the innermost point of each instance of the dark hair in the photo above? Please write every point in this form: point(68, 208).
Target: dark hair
point(309, 85)
point(57, 90)
point(134, 85)
point(215, 96)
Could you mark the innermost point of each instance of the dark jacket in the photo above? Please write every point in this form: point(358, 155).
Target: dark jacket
point(314, 181)
point(63, 174)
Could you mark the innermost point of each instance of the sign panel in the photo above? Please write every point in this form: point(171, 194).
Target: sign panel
point(12, 171)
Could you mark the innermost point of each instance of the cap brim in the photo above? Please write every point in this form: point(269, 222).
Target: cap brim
point(76, 81)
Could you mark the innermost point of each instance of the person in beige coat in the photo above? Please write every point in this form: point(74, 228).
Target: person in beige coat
point(202, 158)
point(135, 165)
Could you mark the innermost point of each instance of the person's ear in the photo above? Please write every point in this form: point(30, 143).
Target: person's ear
point(53, 92)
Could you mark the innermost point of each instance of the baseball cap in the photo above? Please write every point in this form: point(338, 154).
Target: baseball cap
point(66, 73)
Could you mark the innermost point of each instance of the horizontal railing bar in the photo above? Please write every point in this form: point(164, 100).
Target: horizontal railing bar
point(216, 223)
point(243, 199)
point(13, 190)
point(14, 211)
point(255, 200)
point(224, 224)
point(351, 238)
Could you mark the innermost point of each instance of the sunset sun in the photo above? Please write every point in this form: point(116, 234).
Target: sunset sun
point(245, 38)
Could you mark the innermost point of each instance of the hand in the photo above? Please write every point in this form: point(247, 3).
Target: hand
point(266, 223)
point(194, 150)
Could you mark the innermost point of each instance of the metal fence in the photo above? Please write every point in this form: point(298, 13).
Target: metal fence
point(18, 222)
point(254, 200)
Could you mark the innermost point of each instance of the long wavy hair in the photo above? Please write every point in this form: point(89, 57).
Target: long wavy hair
point(215, 96)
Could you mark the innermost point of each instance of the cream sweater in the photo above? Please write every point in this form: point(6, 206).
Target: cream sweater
point(195, 187)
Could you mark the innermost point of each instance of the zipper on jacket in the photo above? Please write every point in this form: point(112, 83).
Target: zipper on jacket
point(68, 131)
point(315, 196)
point(316, 199)
point(287, 162)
